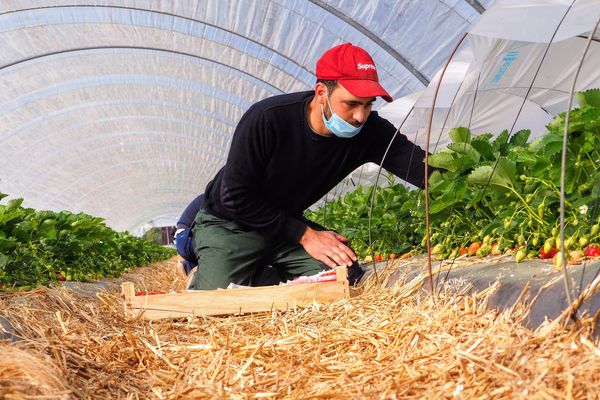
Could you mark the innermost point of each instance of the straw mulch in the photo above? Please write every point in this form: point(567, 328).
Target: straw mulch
point(383, 343)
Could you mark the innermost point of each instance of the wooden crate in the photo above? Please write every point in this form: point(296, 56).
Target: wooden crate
point(233, 301)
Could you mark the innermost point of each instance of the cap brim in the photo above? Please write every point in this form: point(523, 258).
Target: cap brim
point(365, 88)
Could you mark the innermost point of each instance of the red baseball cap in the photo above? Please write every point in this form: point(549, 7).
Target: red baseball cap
point(353, 68)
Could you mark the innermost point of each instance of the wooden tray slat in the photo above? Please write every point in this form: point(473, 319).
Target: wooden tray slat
point(234, 301)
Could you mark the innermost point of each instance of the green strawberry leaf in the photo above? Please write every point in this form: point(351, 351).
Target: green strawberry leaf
point(444, 160)
point(520, 138)
point(589, 97)
point(466, 150)
point(460, 135)
point(483, 147)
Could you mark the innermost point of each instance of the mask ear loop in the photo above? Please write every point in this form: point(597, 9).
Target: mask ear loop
point(328, 104)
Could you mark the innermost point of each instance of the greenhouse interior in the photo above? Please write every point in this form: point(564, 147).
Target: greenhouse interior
point(300, 199)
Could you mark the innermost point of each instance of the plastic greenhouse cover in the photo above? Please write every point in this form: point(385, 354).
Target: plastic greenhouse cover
point(510, 62)
point(125, 109)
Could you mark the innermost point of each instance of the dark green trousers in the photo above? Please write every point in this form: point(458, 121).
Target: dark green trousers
point(230, 253)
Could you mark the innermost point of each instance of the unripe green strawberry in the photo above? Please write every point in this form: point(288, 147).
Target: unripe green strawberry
point(453, 254)
point(557, 260)
point(548, 245)
point(521, 254)
point(484, 250)
point(529, 198)
point(437, 249)
point(558, 243)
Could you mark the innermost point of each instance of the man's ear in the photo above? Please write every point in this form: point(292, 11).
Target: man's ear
point(321, 92)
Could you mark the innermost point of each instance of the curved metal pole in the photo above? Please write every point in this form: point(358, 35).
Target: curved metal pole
point(145, 48)
point(437, 142)
point(149, 11)
point(563, 173)
point(375, 38)
point(375, 189)
point(460, 166)
point(539, 67)
point(437, 89)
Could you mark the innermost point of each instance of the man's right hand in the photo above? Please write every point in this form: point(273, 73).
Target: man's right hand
point(328, 247)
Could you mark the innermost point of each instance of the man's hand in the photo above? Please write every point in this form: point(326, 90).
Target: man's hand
point(328, 247)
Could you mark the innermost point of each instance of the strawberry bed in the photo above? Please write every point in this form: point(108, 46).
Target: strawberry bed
point(491, 196)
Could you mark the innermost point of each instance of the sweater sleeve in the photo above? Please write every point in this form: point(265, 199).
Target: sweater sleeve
point(404, 159)
point(241, 189)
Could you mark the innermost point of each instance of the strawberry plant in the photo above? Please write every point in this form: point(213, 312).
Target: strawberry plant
point(40, 247)
point(504, 190)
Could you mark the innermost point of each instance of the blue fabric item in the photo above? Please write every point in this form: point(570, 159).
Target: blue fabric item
point(338, 126)
point(184, 243)
point(188, 266)
point(189, 214)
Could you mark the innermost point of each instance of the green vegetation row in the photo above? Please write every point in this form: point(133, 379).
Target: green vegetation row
point(41, 247)
point(500, 194)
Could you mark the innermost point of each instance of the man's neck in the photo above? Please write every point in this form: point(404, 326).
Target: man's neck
point(315, 119)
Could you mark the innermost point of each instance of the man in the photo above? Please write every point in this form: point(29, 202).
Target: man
point(184, 240)
point(287, 152)
point(184, 243)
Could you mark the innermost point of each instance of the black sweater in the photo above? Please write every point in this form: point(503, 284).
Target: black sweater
point(277, 166)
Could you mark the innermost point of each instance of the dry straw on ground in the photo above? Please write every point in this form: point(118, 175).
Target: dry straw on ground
point(383, 343)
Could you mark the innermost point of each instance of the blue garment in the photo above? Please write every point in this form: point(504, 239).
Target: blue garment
point(188, 266)
point(184, 240)
point(337, 125)
point(189, 214)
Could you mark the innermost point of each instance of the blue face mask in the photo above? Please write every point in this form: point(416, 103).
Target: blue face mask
point(338, 126)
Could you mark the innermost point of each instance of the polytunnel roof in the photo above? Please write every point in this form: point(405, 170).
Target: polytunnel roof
point(126, 109)
point(515, 72)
